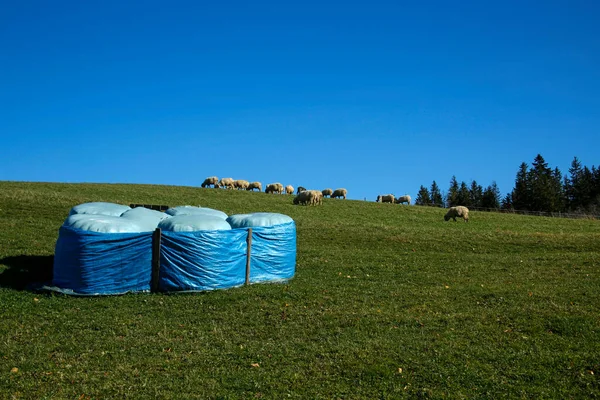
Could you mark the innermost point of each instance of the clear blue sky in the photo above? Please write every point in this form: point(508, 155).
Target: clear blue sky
point(373, 96)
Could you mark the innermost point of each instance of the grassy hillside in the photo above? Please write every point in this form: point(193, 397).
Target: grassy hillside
point(388, 301)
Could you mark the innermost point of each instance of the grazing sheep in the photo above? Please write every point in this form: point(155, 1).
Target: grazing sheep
point(274, 188)
point(403, 199)
point(339, 193)
point(289, 189)
point(309, 198)
point(458, 211)
point(211, 180)
point(255, 185)
point(386, 198)
point(227, 183)
point(327, 192)
point(300, 189)
point(241, 184)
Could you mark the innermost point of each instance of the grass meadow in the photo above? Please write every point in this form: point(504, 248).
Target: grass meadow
point(388, 302)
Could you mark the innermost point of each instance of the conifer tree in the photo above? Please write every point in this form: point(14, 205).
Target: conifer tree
point(520, 197)
point(491, 197)
point(464, 198)
point(507, 202)
point(452, 197)
point(436, 196)
point(475, 195)
point(423, 198)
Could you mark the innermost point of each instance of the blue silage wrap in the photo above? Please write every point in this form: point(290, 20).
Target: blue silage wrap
point(273, 255)
point(202, 260)
point(94, 263)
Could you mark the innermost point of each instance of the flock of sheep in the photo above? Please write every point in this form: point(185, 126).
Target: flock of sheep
point(315, 197)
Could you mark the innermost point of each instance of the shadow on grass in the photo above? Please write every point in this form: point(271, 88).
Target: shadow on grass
point(26, 272)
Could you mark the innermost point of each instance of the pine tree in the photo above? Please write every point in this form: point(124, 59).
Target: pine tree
point(572, 185)
point(507, 202)
point(436, 196)
point(521, 197)
point(491, 197)
point(464, 198)
point(558, 193)
point(475, 195)
point(423, 198)
point(452, 197)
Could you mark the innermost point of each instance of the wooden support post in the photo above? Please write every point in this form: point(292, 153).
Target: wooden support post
point(155, 260)
point(248, 255)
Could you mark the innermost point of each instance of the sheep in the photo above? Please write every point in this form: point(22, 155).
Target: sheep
point(289, 189)
point(274, 188)
point(241, 184)
point(339, 193)
point(403, 199)
point(327, 192)
point(300, 189)
point(458, 211)
point(309, 198)
point(386, 198)
point(255, 185)
point(227, 183)
point(211, 180)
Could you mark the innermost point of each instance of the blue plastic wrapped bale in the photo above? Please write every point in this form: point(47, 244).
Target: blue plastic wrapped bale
point(102, 223)
point(273, 253)
point(100, 208)
point(94, 263)
point(193, 223)
point(191, 210)
point(257, 219)
point(146, 218)
point(204, 260)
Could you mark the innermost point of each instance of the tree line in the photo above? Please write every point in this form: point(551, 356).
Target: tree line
point(537, 188)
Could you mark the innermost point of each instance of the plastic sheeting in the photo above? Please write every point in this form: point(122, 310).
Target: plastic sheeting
point(273, 253)
point(146, 218)
point(95, 263)
point(191, 210)
point(100, 208)
point(191, 223)
point(102, 223)
point(257, 219)
point(98, 263)
point(202, 260)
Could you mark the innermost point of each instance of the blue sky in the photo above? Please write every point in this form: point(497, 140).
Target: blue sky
point(377, 97)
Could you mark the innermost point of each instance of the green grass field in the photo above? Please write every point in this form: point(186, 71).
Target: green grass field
point(388, 301)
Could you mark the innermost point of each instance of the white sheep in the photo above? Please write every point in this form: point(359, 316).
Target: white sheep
point(289, 189)
point(385, 198)
point(211, 180)
point(458, 211)
point(403, 199)
point(339, 193)
point(327, 192)
point(227, 183)
point(255, 185)
point(274, 188)
point(241, 184)
point(309, 198)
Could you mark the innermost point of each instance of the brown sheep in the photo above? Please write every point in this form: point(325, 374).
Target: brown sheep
point(339, 193)
point(211, 180)
point(327, 192)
